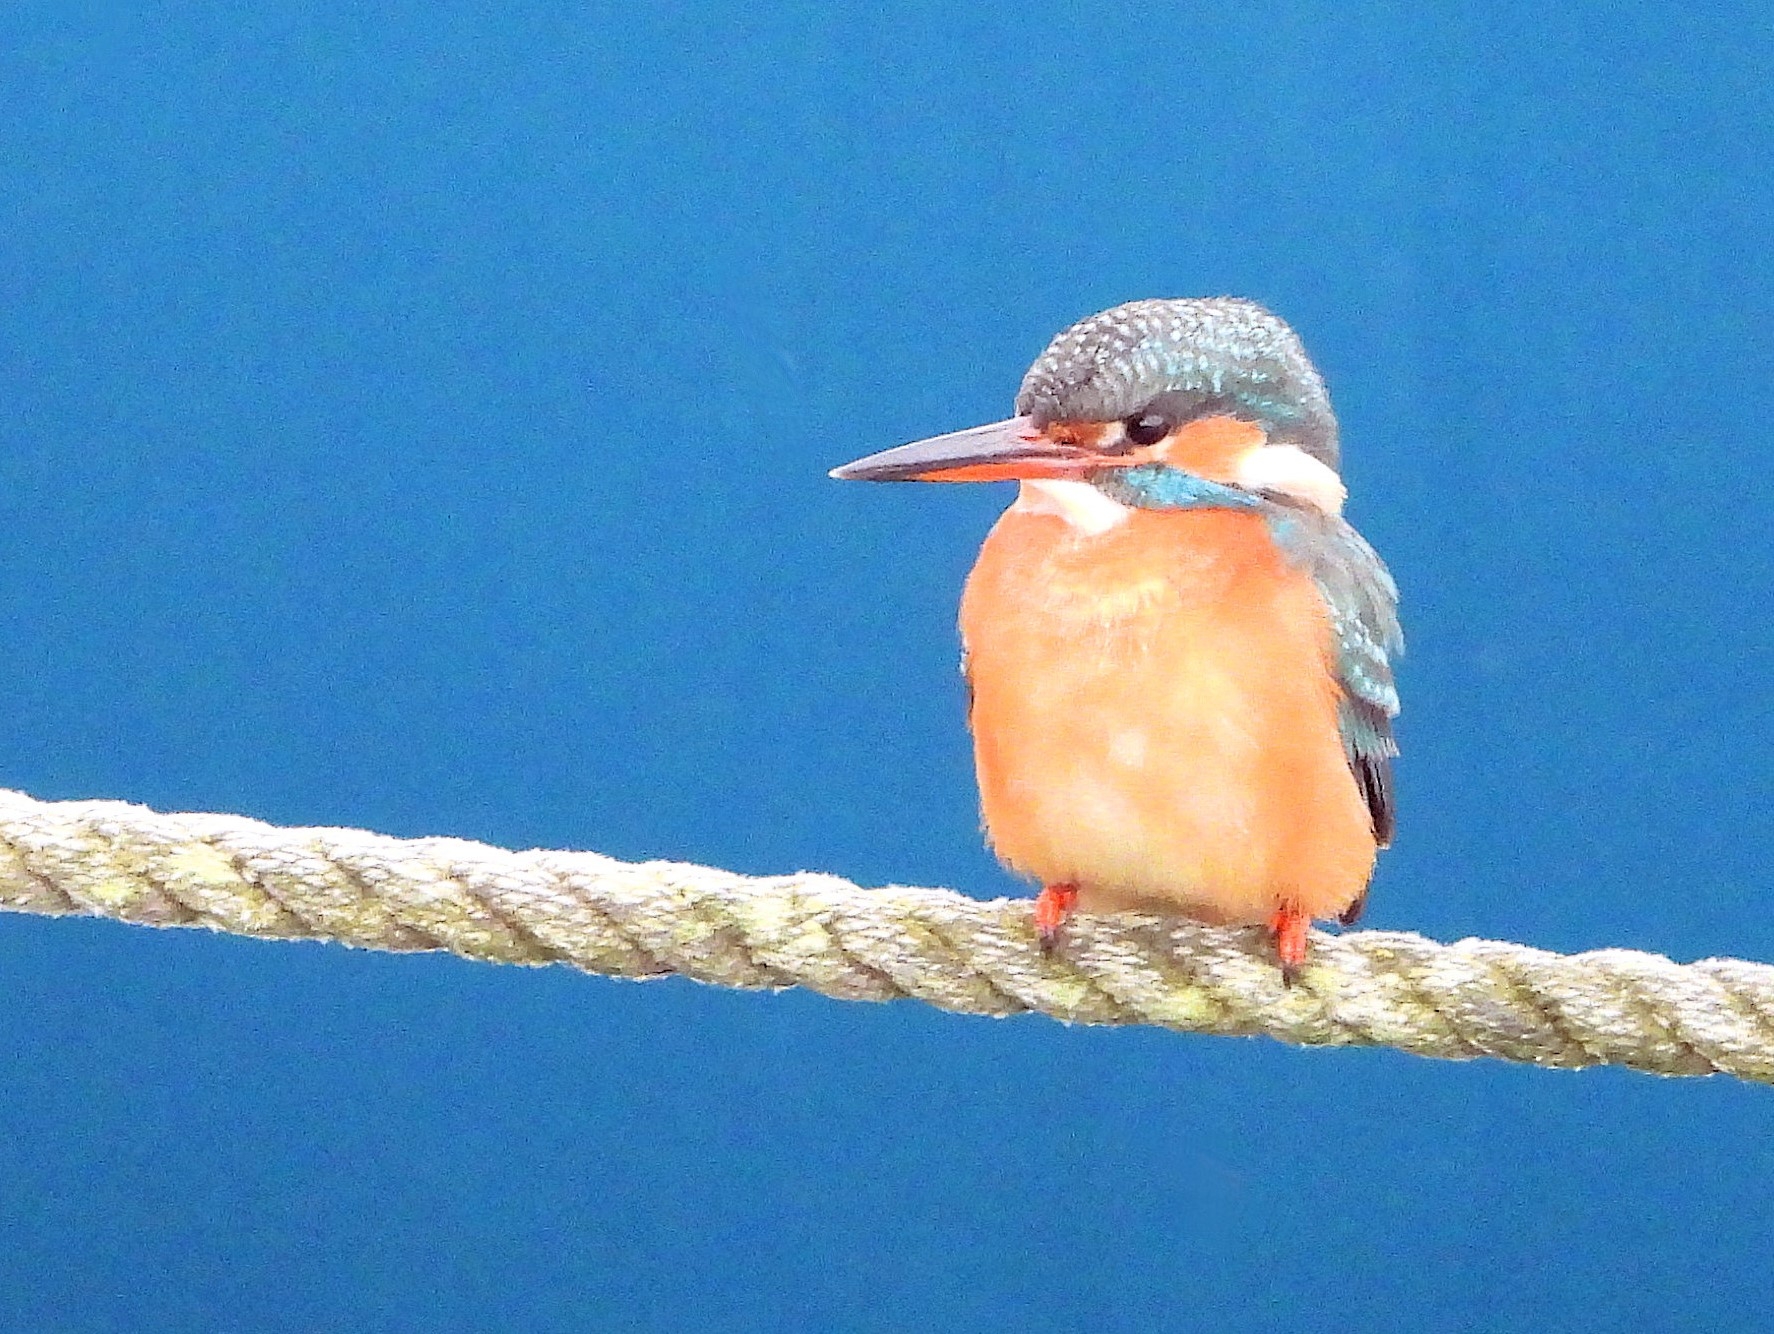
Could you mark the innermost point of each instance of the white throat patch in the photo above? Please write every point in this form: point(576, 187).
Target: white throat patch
point(1294, 473)
point(1078, 503)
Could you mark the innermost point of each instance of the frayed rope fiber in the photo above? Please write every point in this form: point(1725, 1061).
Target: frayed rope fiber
point(1366, 988)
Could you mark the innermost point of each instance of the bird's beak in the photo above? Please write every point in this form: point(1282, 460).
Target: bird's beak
point(1002, 451)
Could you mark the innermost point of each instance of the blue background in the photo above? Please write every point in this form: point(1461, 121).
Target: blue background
point(415, 416)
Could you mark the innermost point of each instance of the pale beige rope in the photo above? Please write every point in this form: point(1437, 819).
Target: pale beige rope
point(1471, 998)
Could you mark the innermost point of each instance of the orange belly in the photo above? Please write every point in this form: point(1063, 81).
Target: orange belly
point(1154, 718)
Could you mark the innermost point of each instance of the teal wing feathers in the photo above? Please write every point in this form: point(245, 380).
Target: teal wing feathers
point(1362, 601)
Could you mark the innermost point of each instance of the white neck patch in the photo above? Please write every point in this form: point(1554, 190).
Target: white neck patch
point(1079, 503)
point(1294, 473)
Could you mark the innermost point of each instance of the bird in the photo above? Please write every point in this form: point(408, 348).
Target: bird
point(1179, 655)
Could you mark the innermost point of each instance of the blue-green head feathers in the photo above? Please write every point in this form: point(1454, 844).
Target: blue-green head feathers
point(1213, 354)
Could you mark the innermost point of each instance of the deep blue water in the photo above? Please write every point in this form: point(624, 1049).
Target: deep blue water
point(416, 415)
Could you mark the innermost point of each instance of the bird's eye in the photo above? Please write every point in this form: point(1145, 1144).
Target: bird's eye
point(1147, 428)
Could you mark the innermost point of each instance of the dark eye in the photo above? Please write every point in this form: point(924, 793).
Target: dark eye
point(1147, 428)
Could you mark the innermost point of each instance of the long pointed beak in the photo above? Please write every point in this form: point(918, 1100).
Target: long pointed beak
point(1002, 451)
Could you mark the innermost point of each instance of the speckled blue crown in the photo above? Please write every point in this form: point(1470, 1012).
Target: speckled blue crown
point(1217, 353)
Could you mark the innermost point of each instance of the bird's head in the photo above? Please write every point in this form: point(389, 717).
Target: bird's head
point(1144, 397)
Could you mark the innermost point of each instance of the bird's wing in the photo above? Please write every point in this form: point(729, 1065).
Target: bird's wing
point(1363, 604)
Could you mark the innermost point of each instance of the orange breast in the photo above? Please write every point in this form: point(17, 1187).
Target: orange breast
point(1154, 718)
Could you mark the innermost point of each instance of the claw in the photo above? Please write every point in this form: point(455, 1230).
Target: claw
point(1289, 925)
point(1053, 906)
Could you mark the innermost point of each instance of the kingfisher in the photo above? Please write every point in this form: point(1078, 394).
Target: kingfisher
point(1178, 653)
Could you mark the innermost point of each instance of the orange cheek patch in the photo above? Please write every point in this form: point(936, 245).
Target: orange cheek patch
point(1080, 435)
point(1211, 447)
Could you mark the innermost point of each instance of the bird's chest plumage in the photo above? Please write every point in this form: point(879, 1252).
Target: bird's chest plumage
point(1154, 717)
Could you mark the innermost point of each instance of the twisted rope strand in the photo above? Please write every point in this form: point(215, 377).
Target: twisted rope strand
point(1376, 988)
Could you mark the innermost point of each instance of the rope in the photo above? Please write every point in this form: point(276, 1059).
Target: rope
point(1375, 988)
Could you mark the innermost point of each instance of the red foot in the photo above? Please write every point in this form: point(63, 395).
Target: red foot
point(1052, 906)
point(1289, 925)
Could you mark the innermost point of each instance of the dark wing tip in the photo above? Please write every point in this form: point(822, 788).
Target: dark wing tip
point(1374, 773)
